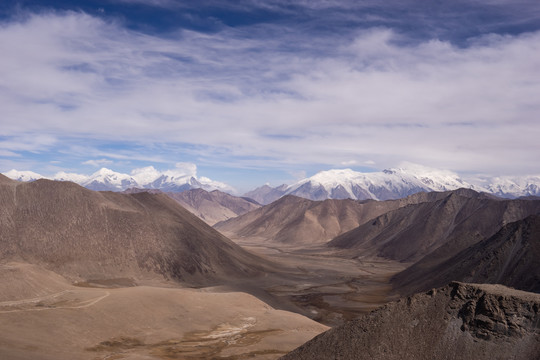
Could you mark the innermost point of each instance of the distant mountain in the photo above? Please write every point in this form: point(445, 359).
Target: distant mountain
point(332, 184)
point(510, 257)
point(433, 231)
point(214, 206)
point(513, 187)
point(83, 234)
point(295, 220)
point(265, 194)
point(393, 184)
point(145, 178)
point(458, 321)
point(385, 185)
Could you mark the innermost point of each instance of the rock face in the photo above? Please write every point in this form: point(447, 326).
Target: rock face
point(510, 257)
point(84, 234)
point(459, 321)
point(214, 206)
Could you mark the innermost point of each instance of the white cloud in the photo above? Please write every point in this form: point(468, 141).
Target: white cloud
point(244, 101)
point(186, 169)
point(298, 174)
point(145, 175)
point(98, 162)
point(8, 153)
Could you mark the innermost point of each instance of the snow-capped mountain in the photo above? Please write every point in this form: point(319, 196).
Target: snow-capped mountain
point(512, 187)
point(393, 184)
point(106, 179)
point(22, 175)
point(384, 185)
point(146, 178)
point(331, 184)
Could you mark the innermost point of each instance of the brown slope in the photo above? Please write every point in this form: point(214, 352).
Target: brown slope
point(5, 180)
point(455, 219)
point(459, 321)
point(214, 206)
point(294, 220)
point(85, 234)
point(511, 257)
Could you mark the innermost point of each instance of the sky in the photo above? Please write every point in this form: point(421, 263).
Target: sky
point(252, 92)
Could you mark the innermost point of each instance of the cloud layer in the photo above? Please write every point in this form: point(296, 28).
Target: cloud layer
point(81, 89)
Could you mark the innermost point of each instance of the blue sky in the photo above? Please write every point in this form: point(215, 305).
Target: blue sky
point(270, 91)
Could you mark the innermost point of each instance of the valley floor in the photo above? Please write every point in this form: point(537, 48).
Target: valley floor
point(324, 284)
point(44, 316)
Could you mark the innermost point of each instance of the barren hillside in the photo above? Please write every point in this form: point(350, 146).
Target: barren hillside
point(458, 321)
point(86, 234)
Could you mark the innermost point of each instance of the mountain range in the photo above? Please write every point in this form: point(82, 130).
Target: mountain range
point(443, 236)
point(331, 184)
point(393, 184)
point(57, 234)
point(293, 220)
point(145, 178)
point(460, 217)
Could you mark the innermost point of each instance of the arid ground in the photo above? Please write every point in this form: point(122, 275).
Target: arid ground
point(42, 315)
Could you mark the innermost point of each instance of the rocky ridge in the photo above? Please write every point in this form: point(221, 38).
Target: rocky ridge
point(458, 321)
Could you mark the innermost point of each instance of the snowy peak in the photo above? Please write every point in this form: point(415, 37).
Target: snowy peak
point(393, 183)
point(104, 179)
point(515, 186)
point(23, 175)
point(384, 185)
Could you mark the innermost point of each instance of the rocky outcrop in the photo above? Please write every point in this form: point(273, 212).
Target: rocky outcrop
point(458, 321)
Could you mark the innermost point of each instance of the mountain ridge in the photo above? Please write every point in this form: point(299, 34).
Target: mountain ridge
point(296, 220)
point(85, 234)
point(449, 223)
point(509, 257)
point(388, 184)
point(106, 179)
point(393, 184)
